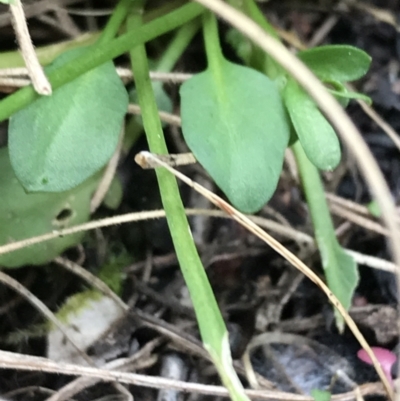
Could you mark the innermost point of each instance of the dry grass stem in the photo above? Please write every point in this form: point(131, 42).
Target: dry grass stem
point(108, 175)
point(142, 159)
point(35, 70)
point(42, 308)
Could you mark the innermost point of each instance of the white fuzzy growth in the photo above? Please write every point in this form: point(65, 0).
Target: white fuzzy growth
point(85, 326)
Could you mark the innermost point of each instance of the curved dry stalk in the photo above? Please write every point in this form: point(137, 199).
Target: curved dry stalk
point(42, 308)
point(277, 228)
point(92, 280)
point(387, 129)
point(327, 104)
point(142, 159)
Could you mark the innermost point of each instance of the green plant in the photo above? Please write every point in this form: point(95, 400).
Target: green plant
point(242, 147)
point(238, 121)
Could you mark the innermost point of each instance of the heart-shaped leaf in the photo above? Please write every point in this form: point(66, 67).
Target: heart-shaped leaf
point(316, 135)
point(59, 141)
point(234, 122)
point(341, 63)
point(25, 215)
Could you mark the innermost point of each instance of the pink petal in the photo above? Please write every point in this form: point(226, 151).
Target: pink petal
point(385, 357)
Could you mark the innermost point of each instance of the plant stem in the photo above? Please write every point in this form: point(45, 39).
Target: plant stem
point(117, 18)
point(177, 46)
point(259, 59)
point(340, 268)
point(211, 324)
point(101, 54)
point(190, 263)
point(212, 43)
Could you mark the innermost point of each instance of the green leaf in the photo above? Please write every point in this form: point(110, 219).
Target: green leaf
point(316, 135)
point(25, 215)
point(340, 268)
point(59, 141)
point(235, 124)
point(341, 63)
point(7, 1)
point(374, 209)
point(321, 395)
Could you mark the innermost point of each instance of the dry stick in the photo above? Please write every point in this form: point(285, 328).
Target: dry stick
point(124, 364)
point(360, 258)
point(36, 73)
point(92, 280)
point(348, 204)
point(328, 105)
point(102, 287)
point(41, 307)
point(124, 73)
point(167, 117)
point(333, 111)
point(188, 158)
point(143, 158)
point(108, 174)
point(10, 360)
point(373, 114)
point(358, 219)
point(390, 132)
point(278, 228)
point(10, 282)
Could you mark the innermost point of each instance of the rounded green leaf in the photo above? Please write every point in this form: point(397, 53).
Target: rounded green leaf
point(234, 122)
point(25, 215)
point(319, 140)
point(59, 141)
point(341, 63)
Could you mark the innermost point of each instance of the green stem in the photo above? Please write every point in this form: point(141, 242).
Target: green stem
point(211, 40)
point(177, 46)
point(253, 11)
point(340, 269)
point(259, 59)
point(313, 190)
point(101, 54)
point(211, 324)
point(114, 23)
point(189, 260)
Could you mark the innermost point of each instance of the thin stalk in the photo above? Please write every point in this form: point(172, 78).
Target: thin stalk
point(100, 54)
point(177, 46)
point(192, 268)
point(211, 324)
point(340, 268)
point(259, 59)
point(211, 41)
point(114, 23)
